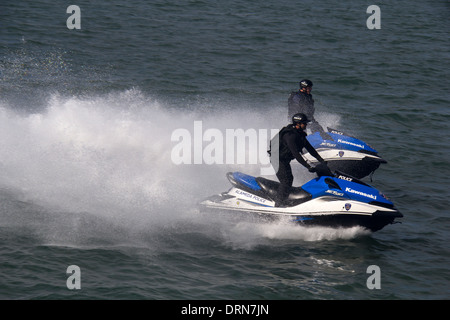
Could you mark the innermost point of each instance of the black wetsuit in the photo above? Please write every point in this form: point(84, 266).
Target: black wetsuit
point(291, 143)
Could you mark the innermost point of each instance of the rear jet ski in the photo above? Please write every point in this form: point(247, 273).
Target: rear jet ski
point(336, 200)
point(345, 154)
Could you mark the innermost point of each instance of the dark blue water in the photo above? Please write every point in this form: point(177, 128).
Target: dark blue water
point(87, 171)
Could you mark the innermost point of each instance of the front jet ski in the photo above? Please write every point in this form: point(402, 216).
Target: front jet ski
point(333, 201)
point(345, 153)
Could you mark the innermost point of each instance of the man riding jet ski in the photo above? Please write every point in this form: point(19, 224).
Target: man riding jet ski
point(302, 101)
point(334, 200)
point(341, 152)
point(286, 146)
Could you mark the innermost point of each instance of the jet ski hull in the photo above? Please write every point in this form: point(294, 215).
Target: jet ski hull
point(373, 221)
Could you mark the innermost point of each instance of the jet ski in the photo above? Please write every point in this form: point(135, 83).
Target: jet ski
point(345, 153)
point(331, 200)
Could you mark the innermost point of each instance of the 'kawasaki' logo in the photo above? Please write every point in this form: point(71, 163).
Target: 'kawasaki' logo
point(351, 143)
point(361, 193)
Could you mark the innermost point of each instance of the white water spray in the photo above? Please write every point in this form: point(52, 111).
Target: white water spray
point(110, 156)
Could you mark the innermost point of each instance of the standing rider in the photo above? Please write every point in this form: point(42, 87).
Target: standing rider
point(290, 142)
point(303, 102)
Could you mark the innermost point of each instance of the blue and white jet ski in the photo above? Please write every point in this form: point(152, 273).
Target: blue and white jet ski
point(333, 201)
point(345, 154)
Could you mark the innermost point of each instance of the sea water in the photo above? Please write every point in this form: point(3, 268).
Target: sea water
point(88, 152)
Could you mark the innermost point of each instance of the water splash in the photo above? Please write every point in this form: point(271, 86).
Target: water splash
point(110, 157)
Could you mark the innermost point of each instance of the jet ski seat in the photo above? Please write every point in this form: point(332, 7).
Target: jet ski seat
point(296, 195)
point(267, 188)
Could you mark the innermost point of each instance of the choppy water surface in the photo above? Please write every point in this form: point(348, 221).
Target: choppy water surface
point(87, 177)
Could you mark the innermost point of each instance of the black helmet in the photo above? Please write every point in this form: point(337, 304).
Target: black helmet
point(300, 118)
point(305, 83)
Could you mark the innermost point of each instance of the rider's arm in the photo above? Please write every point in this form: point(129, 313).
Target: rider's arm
point(289, 139)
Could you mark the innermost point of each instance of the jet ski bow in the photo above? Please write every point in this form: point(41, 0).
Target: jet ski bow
point(345, 153)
